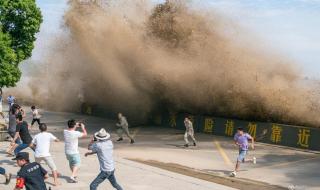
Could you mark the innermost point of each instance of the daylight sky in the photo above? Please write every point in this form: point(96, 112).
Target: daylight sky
point(289, 27)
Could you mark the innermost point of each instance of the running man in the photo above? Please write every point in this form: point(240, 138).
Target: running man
point(123, 128)
point(71, 136)
point(22, 132)
point(35, 116)
point(41, 142)
point(241, 140)
point(13, 112)
point(189, 132)
point(103, 147)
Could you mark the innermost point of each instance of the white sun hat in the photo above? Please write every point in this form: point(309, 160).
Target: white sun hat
point(102, 134)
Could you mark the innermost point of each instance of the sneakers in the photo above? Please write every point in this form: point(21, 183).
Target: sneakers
point(233, 174)
point(8, 179)
point(73, 180)
point(120, 139)
point(194, 144)
point(132, 141)
point(186, 145)
point(254, 160)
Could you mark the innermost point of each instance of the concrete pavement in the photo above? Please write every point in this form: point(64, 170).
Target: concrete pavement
point(214, 155)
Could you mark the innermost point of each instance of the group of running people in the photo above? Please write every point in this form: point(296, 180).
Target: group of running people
point(32, 175)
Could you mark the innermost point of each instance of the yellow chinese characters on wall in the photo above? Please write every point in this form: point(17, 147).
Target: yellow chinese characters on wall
point(208, 125)
point(252, 129)
point(276, 133)
point(229, 128)
point(303, 138)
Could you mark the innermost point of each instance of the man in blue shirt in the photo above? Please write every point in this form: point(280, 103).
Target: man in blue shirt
point(241, 140)
point(11, 100)
point(102, 145)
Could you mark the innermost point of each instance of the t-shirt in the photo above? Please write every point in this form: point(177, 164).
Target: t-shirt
point(71, 141)
point(188, 125)
point(11, 99)
point(23, 130)
point(242, 140)
point(42, 142)
point(104, 150)
point(35, 114)
point(32, 177)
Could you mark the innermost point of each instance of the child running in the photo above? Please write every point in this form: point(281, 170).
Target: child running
point(241, 140)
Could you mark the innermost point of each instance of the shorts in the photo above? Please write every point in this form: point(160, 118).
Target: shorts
point(242, 155)
point(74, 160)
point(48, 160)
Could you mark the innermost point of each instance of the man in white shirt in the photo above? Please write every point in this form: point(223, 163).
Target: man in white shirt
point(103, 147)
point(42, 142)
point(71, 146)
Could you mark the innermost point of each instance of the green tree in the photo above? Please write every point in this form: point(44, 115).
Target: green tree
point(19, 22)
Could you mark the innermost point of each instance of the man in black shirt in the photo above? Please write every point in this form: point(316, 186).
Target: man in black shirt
point(22, 131)
point(31, 175)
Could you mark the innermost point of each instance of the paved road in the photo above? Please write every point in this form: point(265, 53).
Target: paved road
point(214, 155)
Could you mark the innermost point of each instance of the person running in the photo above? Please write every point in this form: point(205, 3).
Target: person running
point(22, 132)
point(11, 100)
point(13, 112)
point(123, 128)
point(71, 146)
point(102, 146)
point(35, 116)
point(241, 140)
point(189, 132)
point(31, 175)
point(41, 142)
point(6, 175)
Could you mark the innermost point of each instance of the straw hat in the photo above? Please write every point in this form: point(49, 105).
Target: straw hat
point(102, 134)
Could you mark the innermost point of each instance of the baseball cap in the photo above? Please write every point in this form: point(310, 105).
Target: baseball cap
point(22, 156)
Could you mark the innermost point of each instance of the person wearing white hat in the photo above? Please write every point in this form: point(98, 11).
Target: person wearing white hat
point(102, 146)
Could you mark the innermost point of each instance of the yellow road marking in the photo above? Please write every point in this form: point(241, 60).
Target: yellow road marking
point(223, 154)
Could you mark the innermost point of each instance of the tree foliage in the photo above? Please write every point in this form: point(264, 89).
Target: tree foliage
point(19, 22)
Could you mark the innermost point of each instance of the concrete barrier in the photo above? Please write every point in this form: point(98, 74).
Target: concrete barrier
point(272, 133)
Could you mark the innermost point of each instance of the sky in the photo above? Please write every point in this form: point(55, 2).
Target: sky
point(289, 27)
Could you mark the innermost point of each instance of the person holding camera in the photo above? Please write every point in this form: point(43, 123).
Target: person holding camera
point(102, 145)
point(71, 136)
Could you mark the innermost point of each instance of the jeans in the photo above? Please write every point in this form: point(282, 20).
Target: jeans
point(12, 134)
point(101, 177)
point(20, 147)
point(2, 171)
